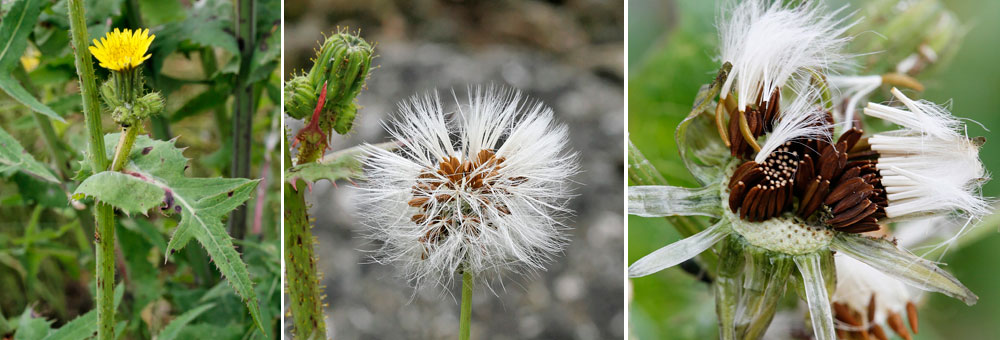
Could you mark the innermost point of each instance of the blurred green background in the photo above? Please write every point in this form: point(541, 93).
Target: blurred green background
point(671, 52)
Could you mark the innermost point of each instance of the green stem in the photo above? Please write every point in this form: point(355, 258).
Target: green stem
point(124, 148)
point(244, 109)
point(98, 161)
point(300, 265)
point(466, 319)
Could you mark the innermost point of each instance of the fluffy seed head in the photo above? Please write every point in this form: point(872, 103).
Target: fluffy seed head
point(483, 188)
point(121, 50)
point(772, 44)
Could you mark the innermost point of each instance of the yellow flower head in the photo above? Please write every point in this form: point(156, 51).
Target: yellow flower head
point(122, 50)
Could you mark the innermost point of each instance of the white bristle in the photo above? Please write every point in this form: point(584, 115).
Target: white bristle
point(770, 45)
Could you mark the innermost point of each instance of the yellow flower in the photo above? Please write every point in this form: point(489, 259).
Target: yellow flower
point(122, 50)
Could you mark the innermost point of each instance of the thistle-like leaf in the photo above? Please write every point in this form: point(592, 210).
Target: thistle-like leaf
point(30, 328)
point(662, 200)
point(901, 264)
point(344, 164)
point(154, 176)
point(13, 156)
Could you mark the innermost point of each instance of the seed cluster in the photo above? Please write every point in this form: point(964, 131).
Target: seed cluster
point(762, 191)
point(437, 192)
point(841, 178)
point(861, 329)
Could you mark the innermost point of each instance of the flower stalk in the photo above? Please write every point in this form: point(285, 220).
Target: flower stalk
point(464, 322)
point(98, 160)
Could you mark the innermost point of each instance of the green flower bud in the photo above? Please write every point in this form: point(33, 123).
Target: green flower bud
point(343, 63)
point(300, 97)
point(109, 96)
point(344, 119)
point(148, 105)
point(143, 108)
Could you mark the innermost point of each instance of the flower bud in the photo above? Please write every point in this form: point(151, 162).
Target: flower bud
point(344, 119)
point(300, 97)
point(109, 96)
point(144, 107)
point(343, 63)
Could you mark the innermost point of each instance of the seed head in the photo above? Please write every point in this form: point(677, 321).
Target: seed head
point(483, 188)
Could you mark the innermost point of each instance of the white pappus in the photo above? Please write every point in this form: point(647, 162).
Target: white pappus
point(769, 44)
point(930, 165)
point(483, 188)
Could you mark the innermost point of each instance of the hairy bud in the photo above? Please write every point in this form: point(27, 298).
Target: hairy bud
point(300, 97)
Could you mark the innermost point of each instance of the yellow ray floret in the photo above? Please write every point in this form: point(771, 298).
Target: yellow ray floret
point(120, 50)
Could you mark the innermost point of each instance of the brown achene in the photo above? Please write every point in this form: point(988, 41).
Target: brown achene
point(866, 328)
point(440, 211)
point(803, 175)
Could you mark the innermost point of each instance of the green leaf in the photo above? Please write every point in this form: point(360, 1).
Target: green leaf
point(31, 328)
point(127, 193)
point(84, 326)
point(16, 91)
point(42, 192)
point(14, 30)
point(13, 156)
point(174, 328)
point(344, 164)
point(201, 202)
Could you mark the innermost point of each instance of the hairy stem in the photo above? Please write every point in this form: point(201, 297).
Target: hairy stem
point(300, 264)
point(244, 109)
point(466, 318)
point(98, 160)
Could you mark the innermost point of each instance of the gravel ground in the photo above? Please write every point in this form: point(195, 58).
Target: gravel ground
point(580, 296)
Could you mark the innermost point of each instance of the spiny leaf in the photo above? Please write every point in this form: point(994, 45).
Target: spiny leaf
point(13, 156)
point(201, 203)
point(127, 193)
point(344, 164)
point(14, 30)
point(31, 328)
point(170, 332)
